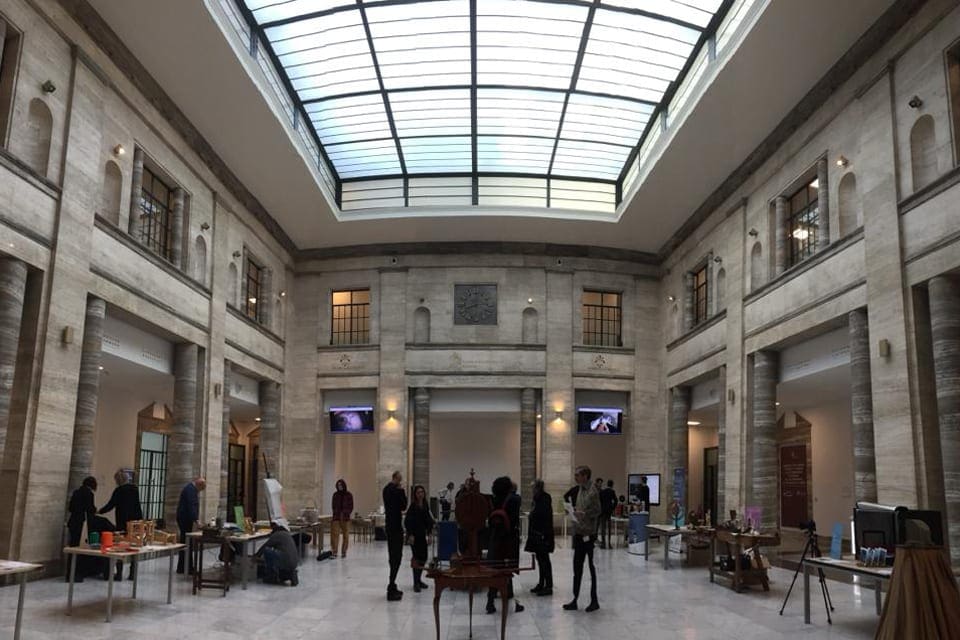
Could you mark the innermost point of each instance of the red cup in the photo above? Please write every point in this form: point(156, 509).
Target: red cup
point(106, 540)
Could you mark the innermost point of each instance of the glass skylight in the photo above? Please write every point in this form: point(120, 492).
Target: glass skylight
point(535, 95)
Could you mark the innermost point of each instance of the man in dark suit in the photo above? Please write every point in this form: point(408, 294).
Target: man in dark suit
point(82, 509)
point(126, 500)
point(608, 502)
point(394, 504)
point(188, 512)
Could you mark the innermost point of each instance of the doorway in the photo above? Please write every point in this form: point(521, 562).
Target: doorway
point(711, 484)
point(235, 478)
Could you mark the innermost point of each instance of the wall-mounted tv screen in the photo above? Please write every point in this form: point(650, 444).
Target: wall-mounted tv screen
point(599, 420)
point(351, 420)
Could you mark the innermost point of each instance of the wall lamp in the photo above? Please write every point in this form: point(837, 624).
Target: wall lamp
point(236, 254)
point(283, 294)
point(753, 233)
point(119, 150)
point(842, 161)
point(558, 415)
point(204, 226)
point(671, 298)
point(391, 414)
point(48, 86)
point(717, 259)
point(915, 102)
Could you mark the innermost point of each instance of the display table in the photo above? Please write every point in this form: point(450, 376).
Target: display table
point(314, 528)
point(246, 542)
point(668, 531)
point(113, 558)
point(619, 530)
point(736, 544)
point(472, 577)
point(19, 569)
point(878, 575)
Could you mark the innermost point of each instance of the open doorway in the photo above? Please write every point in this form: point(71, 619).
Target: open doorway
point(703, 428)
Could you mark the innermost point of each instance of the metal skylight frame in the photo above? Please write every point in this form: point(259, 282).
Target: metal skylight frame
point(588, 160)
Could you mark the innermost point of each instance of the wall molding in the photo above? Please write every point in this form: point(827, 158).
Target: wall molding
point(943, 183)
point(254, 356)
point(255, 325)
point(349, 347)
point(21, 169)
point(146, 297)
point(805, 308)
point(697, 330)
point(454, 346)
point(544, 249)
point(26, 232)
point(695, 362)
point(585, 348)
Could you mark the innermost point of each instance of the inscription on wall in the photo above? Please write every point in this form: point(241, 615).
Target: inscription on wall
point(475, 304)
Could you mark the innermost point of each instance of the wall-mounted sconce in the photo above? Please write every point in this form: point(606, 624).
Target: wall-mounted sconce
point(915, 102)
point(66, 336)
point(731, 395)
point(216, 390)
point(753, 233)
point(717, 259)
point(671, 298)
point(283, 293)
point(48, 87)
point(204, 226)
point(256, 419)
point(883, 348)
point(558, 415)
point(529, 300)
point(119, 150)
point(693, 423)
point(391, 414)
point(237, 254)
point(842, 161)
point(539, 415)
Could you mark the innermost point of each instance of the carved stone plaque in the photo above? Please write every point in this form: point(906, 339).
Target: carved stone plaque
point(475, 304)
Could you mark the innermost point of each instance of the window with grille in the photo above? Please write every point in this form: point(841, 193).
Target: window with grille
point(155, 215)
point(601, 318)
point(700, 290)
point(235, 479)
point(153, 474)
point(803, 222)
point(252, 285)
point(350, 315)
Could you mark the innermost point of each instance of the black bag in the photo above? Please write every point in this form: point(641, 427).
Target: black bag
point(535, 542)
point(325, 555)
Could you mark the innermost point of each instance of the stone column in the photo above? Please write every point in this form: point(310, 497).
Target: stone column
point(763, 477)
point(823, 204)
point(136, 186)
point(861, 409)
point(225, 440)
point(721, 445)
point(180, 444)
point(780, 235)
point(176, 229)
point(421, 438)
point(13, 286)
point(678, 441)
point(88, 392)
point(265, 302)
point(945, 326)
point(687, 301)
point(269, 439)
point(528, 443)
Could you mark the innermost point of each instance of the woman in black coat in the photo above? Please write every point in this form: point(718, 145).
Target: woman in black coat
point(540, 538)
point(419, 526)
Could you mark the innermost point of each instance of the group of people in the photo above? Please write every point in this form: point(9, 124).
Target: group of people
point(413, 523)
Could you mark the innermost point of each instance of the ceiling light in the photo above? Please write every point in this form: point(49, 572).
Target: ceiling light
point(800, 234)
point(842, 162)
point(119, 150)
point(693, 423)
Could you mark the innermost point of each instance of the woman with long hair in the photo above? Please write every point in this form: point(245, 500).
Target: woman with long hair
point(540, 540)
point(419, 526)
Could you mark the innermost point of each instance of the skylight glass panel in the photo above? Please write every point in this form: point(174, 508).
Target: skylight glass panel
point(518, 112)
point(422, 44)
point(344, 119)
point(605, 119)
point(694, 12)
point(528, 43)
point(372, 157)
point(514, 154)
point(440, 154)
point(589, 159)
point(431, 113)
point(270, 10)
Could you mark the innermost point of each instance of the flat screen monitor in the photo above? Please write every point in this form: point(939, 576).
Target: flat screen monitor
point(875, 526)
point(351, 420)
point(599, 420)
point(634, 491)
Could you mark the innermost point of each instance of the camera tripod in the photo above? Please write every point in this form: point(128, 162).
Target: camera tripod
point(813, 549)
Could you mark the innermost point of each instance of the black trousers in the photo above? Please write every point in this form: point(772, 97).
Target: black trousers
point(605, 529)
point(583, 550)
point(546, 569)
point(395, 554)
point(420, 552)
point(184, 527)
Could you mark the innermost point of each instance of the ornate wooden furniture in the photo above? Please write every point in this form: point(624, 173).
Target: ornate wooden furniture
point(737, 544)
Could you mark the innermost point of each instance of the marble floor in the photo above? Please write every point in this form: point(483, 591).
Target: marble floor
point(346, 597)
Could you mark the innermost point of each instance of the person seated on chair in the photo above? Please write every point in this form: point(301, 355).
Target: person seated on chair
point(280, 556)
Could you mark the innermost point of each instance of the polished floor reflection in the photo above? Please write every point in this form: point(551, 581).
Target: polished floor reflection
point(346, 597)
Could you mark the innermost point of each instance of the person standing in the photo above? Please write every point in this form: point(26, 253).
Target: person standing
point(504, 543)
point(643, 494)
point(608, 504)
point(188, 513)
point(394, 504)
point(82, 509)
point(126, 500)
point(540, 540)
point(446, 500)
point(584, 537)
point(419, 526)
point(340, 525)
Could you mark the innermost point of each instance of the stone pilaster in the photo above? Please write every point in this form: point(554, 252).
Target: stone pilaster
point(270, 438)
point(763, 477)
point(528, 443)
point(176, 229)
point(394, 449)
point(722, 501)
point(945, 325)
point(678, 441)
point(687, 301)
point(224, 507)
point(136, 186)
point(779, 235)
point(421, 438)
point(861, 409)
point(13, 285)
point(180, 444)
point(556, 433)
point(823, 204)
point(88, 392)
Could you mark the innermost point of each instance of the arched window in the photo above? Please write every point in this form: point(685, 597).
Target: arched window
point(232, 277)
point(850, 214)
point(200, 260)
point(530, 327)
point(923, 152)
point(421, 325)
point(38, 134)
point(720, 297)
point(110, 192)
point(757, 274)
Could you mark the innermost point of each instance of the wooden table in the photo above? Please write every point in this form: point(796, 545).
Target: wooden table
point(316, 528)
point(113, 557)
point(472, 577)
point(19, 569)
point(668, 531)
point(849, 567)
point(245, 541)
point(736, 543)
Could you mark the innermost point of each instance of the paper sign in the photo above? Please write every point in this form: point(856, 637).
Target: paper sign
point(836, 542)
